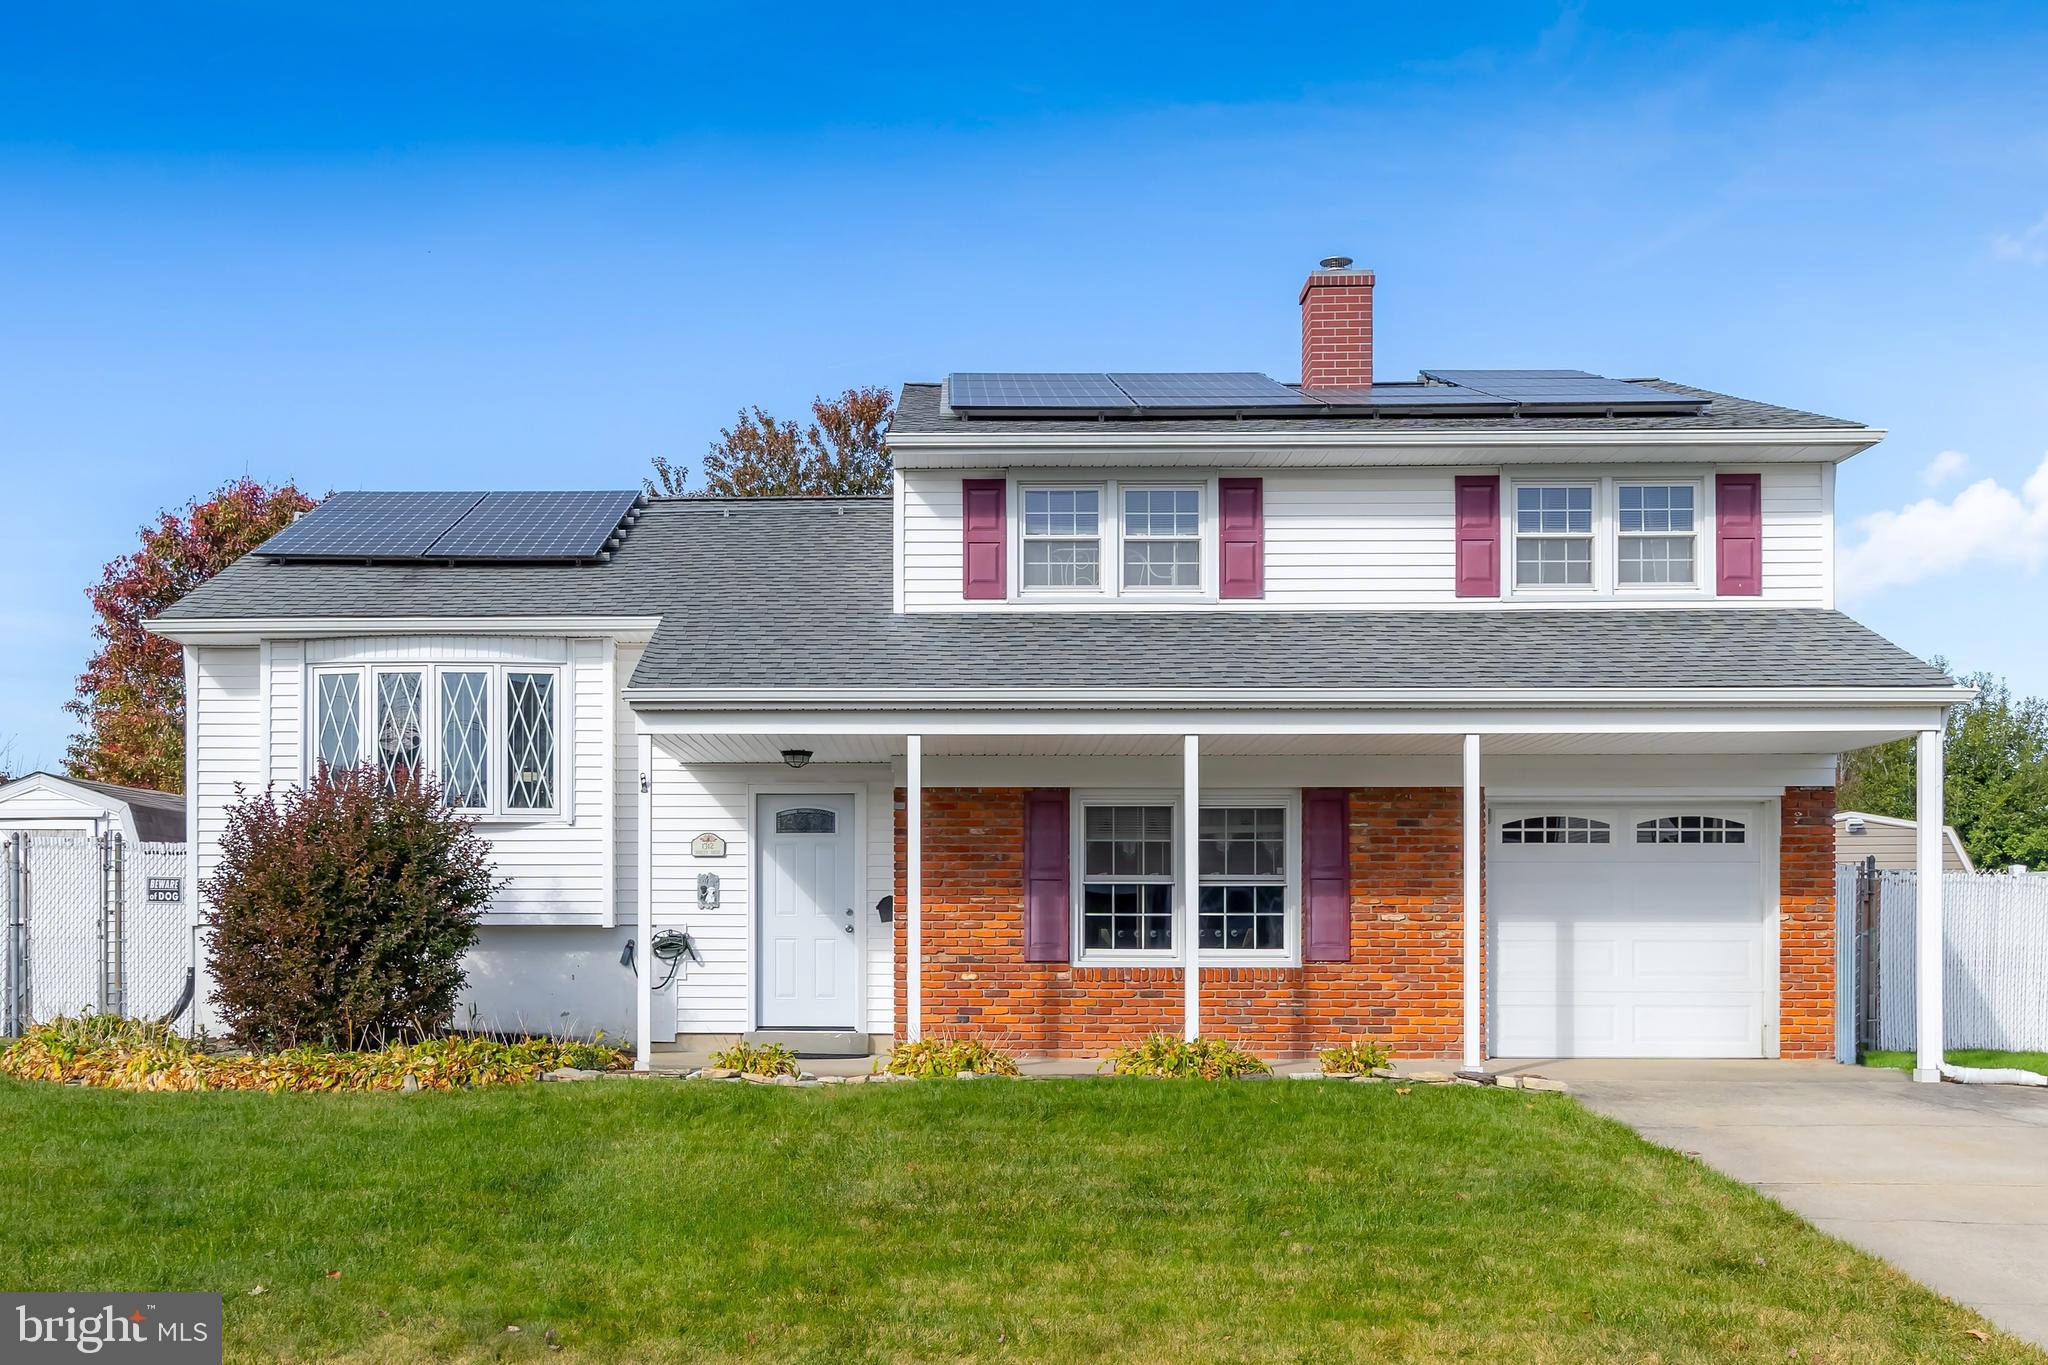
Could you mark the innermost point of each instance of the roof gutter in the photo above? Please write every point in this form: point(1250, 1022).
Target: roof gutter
point(224, 630)
point(1051, 698)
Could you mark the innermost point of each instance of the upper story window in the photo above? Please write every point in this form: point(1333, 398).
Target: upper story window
point(1063, 538)
point(1656, 530)
point(1162, 531)
point(1554, 536)
point(488, 733)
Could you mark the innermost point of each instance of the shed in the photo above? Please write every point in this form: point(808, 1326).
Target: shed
point(43, 803)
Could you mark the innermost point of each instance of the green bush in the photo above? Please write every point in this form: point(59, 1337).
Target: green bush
point(1356, 1057)
point(123, 1054)
point(749, 1059)
point(340, 912)
point(931, 1057)
point(1207, 1059)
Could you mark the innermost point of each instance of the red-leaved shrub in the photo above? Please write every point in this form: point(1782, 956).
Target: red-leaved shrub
point(340, 911)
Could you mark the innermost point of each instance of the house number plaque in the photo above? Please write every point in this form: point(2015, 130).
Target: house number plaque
point(707, 846)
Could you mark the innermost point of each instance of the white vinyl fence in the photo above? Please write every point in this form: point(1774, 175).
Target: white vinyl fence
point(93, 924)
point(1995, 980)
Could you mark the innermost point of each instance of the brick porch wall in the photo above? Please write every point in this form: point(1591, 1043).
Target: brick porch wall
point(1806, 923)
point(1401, 986)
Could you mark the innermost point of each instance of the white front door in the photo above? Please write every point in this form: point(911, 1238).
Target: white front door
point(805, 928)
point(1627, 931)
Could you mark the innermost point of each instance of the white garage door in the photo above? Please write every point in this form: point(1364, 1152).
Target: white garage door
point(1634, 931)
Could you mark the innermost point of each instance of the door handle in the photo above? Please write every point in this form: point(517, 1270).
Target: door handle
point(849, 919)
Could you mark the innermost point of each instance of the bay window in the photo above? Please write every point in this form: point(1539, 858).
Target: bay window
point(489, 734)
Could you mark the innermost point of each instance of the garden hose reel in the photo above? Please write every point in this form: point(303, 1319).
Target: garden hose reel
point(668, 946)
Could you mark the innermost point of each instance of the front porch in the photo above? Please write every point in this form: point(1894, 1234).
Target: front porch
point(972, 906)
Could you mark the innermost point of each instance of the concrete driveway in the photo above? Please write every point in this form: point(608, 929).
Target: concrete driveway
point(1947, 1182)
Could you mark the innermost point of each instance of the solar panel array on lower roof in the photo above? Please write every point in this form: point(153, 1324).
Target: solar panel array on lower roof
point(371, 526)
point(431, 527)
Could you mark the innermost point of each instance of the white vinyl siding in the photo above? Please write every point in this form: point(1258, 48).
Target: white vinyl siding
point(1381, 539)
point(712, 798)
point(226, 735)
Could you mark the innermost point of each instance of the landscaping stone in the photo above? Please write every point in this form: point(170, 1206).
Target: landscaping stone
point(717, 1073)
point(1508, 1082)
point(1543, 1083)
point(410, 1086)
point(570, 1073)
point(1385, 1073)
point(1430, 1077)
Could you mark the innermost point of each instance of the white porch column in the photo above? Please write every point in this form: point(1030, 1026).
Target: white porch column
point(1473, 835)
point(643, 895)
point(913, 886)
point(1927, 933)
point(1191, 880)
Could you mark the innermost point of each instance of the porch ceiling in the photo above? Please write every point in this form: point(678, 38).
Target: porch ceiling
point(872, 748)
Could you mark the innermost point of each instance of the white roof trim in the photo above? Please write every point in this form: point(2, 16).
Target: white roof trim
point(981, 698)
point(249, 629)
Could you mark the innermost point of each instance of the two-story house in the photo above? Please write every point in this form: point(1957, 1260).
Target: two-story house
point(1487, 713)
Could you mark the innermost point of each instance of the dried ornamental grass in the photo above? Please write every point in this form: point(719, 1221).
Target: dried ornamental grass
point(1208, 1059)
point(930, 1057)
point(762, 1059)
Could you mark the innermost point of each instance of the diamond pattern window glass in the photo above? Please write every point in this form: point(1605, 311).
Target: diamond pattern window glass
point(1554, 536)
point(1555, 829)
point(465, 739)
point(529, 740)
point(1243, 900)
point(1656, 527)
point(338, 723)
point(1127, 879)
point(1063, 538)
point(1162, 537)
point(400, 737)
point(1690, 829)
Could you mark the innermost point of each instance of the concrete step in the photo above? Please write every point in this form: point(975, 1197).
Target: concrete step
point(814, 1042)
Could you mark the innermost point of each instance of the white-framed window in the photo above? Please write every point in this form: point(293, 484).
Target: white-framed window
point(489, 733)
point(1656, 528)
point(1062, 539)
point(1554, 535)
point(1162, 538)
point(1127, 901)
point(1243, 881)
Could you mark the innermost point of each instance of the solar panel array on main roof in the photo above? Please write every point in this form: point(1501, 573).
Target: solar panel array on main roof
point(1564, 388)
point(469, 527)
point(371, 526)
point(536, 526)
point(1470, 392)
point(1030, 392)
point(1233, 390)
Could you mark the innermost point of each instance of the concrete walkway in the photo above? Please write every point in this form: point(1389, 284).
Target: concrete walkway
point(1947, 1182)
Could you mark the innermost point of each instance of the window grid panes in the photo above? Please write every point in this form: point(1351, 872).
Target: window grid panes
point(1127, 879)
point(1243, 893)
point(1062, 538)
point(530, 740)
point(1162, 537)
point(1690, 829)
point(465, 739)
point(1555, 829)
point(400, 728)
point(339, 740)
point(1657, 528)
point(1554, 536)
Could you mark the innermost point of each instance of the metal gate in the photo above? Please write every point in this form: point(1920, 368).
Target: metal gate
point(94, 925)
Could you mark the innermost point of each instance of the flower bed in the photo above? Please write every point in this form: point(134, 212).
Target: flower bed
point(126, 1054)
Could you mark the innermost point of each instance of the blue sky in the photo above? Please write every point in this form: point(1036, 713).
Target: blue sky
point(448, 246)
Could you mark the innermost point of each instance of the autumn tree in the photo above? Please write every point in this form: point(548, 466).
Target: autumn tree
point(1994, 778)
point(838, 452)
point(131, 697)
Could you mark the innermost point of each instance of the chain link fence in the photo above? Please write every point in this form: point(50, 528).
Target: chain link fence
point(94, 925)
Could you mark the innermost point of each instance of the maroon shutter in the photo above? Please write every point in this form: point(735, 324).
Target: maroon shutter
point(1475, 501)
point(1739, 534)
point(984, 540)
point(1045, 875)
point(1326, 874)
point(1241, 532)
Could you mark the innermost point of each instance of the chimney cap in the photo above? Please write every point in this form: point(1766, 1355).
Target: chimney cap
point(1336, 263)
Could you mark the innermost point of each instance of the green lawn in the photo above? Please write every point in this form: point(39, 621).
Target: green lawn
point(1964, 1056)
point(1073, 1220)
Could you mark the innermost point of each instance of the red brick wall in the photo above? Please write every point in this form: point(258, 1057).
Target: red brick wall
point(1336, 329)
point(1402, 984)
point(1806, 923)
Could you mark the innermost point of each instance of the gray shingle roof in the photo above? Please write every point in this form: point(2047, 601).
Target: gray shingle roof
point(159, 816)
point(918, 410)
point(797, 593)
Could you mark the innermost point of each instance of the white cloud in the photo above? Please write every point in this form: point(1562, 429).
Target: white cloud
point(2029, 247)
point(1944, 467)
point(1985, 523)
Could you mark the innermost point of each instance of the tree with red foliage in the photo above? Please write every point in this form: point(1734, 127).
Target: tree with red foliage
point(131, 696)
point(839, 452)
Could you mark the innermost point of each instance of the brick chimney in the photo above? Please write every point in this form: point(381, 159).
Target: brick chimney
point(1336, 326)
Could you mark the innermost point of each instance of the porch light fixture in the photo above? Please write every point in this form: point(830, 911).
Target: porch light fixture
point(796, 758)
